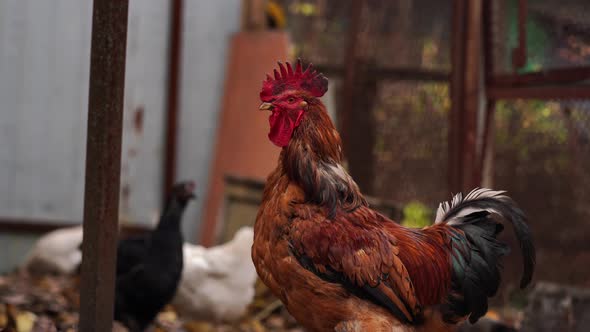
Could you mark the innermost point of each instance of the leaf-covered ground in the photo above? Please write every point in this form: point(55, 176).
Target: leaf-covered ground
point(50, 303)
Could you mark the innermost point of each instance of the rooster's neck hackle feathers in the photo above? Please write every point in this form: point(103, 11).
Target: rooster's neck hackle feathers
point(313, 161)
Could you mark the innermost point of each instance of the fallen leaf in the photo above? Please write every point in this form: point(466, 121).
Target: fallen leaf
point(196, 326)
point(257, 326)
point(3, 316)
point(25, 321)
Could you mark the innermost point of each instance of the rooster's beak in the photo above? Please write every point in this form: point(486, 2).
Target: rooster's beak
point(265, 106)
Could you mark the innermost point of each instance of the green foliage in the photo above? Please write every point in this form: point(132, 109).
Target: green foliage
point(416, 215)
point(537, 38)
point(304, 8)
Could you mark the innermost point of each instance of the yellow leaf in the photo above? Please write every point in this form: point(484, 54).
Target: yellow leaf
point(257, 326)
point(25, 321)
point(195, 326)
point(3, 317)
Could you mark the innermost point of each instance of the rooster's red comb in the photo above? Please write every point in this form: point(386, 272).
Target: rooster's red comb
point(309, 80)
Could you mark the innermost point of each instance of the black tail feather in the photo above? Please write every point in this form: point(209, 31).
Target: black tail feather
point(495, 202)
point(477, 252)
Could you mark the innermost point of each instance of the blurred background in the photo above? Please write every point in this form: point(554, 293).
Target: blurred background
point(431, 97)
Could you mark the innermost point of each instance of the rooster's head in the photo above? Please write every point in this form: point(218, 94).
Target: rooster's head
point(288, 96)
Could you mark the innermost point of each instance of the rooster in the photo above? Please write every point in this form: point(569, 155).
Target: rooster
point(338, 265)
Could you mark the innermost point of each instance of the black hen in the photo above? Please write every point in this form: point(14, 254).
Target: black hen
point(149, 267)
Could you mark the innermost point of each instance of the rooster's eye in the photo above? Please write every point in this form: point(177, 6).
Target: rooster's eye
point(291, 100)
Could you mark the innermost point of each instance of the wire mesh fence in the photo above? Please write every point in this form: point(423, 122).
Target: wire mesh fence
point(542, 157)
point(411, 150)
point(542, 148)
point(557, 34)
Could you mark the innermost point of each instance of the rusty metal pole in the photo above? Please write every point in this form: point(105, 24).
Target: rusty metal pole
point(472, 95)
point(103, 164)
point(174, 65)
point(519, 53)
point(465, 94)
point(455, 167)
point(349, 68)
point(485, 171)
point(355, 108)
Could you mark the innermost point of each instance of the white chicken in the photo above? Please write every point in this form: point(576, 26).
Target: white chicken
point(56, 252)
point(217, 283)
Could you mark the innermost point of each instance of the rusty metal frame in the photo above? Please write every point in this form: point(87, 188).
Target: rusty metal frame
point(391, 74)
point(103, 163)
point(562, 83)
point(33, 226)
point(553, 84)
point(466, 50)
point(472, 95)
point(456, 92)
point(358, 91)
point(489, 67)
point(519, 53)
point(349, 67)
point(540, 93)
point(553, 76)
point(173, 95)
point(41, 226)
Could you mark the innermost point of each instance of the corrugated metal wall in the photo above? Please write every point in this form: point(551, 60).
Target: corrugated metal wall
point(44, 59)
point(44, 64)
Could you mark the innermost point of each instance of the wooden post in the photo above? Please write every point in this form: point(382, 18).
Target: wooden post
point(103, 164)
